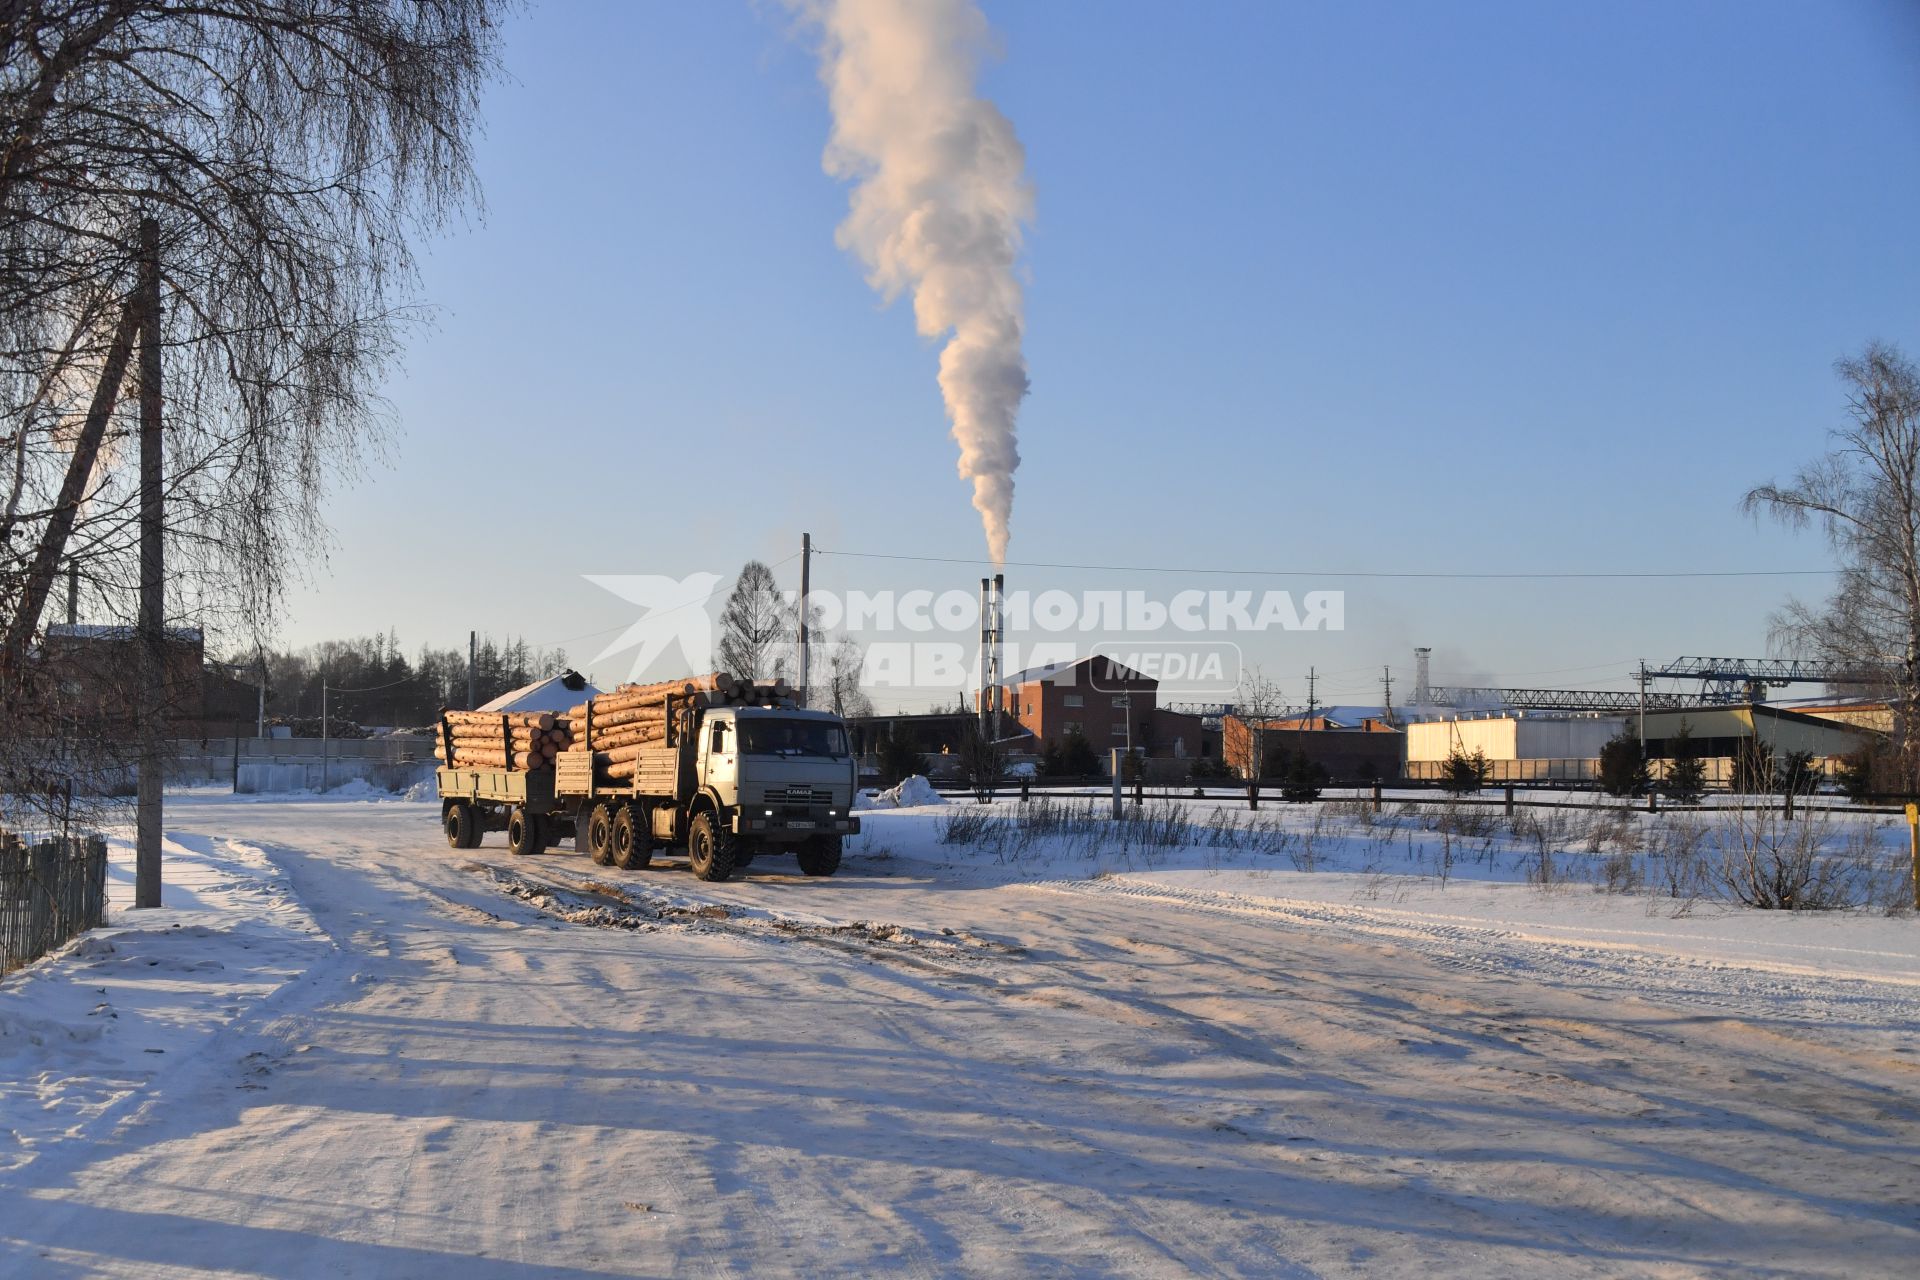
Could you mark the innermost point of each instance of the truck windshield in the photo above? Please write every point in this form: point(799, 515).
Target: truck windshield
point(782, 737)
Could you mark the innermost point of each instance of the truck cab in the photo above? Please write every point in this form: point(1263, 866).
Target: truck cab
point(779, 777)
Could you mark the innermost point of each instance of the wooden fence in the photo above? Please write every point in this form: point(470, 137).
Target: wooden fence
point(51, 890)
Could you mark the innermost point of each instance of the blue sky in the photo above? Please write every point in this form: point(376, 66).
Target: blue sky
point(1369, 287)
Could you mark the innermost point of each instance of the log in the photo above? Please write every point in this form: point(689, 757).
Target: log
point(628, 739)
point(634, 694)
point(522, 719)
point(477, 759)
point(652, 724)
point(492, 736)
point(625, 715)
point(620, 755)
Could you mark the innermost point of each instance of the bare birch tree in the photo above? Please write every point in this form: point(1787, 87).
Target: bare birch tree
point(289, 150)
point(1864, 494)
point(756, 627)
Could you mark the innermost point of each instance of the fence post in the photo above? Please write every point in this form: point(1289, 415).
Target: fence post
point(1789, 801)
point(1026, 787)
point(1116, 782)
point(1376, 797)
point(1913, 847)
point(1653, 800)
point(1509, 800)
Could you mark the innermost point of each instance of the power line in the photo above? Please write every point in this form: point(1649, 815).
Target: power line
point(1502, 574)
point(379, 687)
point(662, 613)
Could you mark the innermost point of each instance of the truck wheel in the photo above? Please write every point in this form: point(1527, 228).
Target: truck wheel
point(462, 826)
point(525, 832)
point(820, 855)
point(632, 839)
point(711, 848)
point(600, 835)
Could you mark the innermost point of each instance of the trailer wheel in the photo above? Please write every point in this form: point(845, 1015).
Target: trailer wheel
point(632, 839)
point(462, 825)
point(600, 835)
point(820, 855)
point(526, 833)
point(711, 848)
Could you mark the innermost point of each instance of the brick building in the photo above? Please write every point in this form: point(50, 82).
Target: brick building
point(1109, 704)
point(97, 668)
point(1350, 744)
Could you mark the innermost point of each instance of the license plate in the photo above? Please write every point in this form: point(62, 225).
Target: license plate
point(801, 825)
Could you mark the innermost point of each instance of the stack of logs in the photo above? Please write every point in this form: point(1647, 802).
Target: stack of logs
point(521, 740)
point(633, 718)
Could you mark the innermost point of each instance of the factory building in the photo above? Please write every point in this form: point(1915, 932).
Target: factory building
point(1108, 704)
point(1353, 744)
point(1510, 736)
point(1523, 746)
point(1724, 732)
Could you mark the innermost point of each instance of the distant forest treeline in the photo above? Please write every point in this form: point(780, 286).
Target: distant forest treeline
point(372, 681)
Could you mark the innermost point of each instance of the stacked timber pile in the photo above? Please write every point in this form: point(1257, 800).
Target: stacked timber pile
point(521, 740)
point(619, 725)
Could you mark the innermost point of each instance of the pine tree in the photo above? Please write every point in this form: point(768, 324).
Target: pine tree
point(1303, 779)
point(1464, 772)
point(898, 760)
point(1623, 769)
point(1686, 771)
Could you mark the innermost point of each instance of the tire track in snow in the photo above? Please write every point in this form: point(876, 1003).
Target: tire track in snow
point(1746, 988)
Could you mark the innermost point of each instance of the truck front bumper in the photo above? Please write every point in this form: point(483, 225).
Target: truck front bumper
point(750, 823)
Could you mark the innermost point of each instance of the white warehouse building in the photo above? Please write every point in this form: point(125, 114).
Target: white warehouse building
point(1511, 735)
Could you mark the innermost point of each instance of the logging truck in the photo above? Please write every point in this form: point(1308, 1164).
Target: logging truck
point(725, 770)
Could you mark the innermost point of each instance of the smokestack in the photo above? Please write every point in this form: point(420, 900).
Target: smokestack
point(939, 200)
point(986, 652)
point(1422, 688)
point(994, 653)
point(999, 647)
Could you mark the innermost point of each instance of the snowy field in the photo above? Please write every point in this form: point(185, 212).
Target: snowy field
point(1001, 1042)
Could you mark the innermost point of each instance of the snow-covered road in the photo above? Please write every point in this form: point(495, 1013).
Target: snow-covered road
point(926, 1069)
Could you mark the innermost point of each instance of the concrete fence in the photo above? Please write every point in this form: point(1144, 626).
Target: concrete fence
point(51, 890)
point(1718, 770)
point(259, 766)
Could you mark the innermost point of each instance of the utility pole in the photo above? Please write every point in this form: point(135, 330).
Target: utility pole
point(1386, 692)
point(806, 591)
point(260, 728)
point(1312, 702)
point(324, 726)
point(149, 814)
point(1643, 708)
point(473, 648)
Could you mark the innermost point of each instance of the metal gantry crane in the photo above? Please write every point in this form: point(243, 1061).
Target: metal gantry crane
point(1728, 680)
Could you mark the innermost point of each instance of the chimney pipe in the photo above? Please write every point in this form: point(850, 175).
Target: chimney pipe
point(999, 638)
point(986, 650)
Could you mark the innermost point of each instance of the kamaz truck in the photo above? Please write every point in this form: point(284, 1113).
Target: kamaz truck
point(729, 783)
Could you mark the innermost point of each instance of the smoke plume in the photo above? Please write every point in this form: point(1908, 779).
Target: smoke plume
point(939, 199)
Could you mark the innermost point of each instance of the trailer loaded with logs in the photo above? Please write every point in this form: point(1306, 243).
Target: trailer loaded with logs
point(729, 770)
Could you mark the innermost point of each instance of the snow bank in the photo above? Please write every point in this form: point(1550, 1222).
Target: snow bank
point(913, 793)
point(85, 1033)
